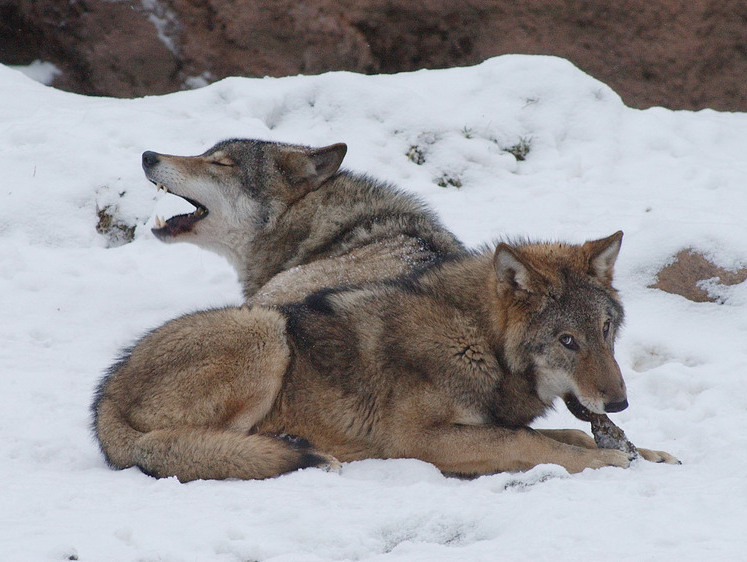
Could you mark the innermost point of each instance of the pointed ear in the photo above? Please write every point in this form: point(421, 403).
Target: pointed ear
point(313, 167)
point(511, 269)
point(602, 256)
point(327, 160)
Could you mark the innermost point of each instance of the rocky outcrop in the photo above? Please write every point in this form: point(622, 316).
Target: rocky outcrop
point(682, 55)
point(101, 48)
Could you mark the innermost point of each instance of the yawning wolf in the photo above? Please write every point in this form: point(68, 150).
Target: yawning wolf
point(291, 222)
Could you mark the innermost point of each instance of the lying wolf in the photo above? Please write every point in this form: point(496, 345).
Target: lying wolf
point(290, 222)
point(449, 366)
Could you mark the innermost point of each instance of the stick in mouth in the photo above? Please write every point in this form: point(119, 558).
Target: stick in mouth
point(607, 435)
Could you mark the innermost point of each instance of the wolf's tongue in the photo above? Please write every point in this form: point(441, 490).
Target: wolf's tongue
point(179, 224)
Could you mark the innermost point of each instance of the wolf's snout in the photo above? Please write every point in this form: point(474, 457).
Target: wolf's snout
point(612, 407)
point(150, 159)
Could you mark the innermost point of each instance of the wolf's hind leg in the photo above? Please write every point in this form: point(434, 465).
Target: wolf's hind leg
point(184, 401)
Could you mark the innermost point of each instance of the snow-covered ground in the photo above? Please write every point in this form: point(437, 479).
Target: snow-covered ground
point(71, 299)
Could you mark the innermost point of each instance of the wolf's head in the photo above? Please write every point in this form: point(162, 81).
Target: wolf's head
point(238, 188)
point(562, 318)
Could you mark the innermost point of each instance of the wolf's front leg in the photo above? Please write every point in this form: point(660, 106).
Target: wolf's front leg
point(570, 437)
point(486, 449)
point(583, 439)
point(658, 456)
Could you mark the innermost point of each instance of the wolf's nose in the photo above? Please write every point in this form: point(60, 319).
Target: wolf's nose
point(150, 158)
point(613, 407)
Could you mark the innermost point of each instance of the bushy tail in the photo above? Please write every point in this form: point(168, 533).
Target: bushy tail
point(115, 435)
point(191, 453)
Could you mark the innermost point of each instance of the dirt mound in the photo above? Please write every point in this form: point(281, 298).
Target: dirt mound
point(692, 276)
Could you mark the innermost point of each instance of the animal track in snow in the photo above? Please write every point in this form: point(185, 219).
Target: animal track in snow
point(647, 357)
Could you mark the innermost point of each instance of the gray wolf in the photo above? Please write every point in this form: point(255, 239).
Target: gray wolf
point(291, 222)
point(449, 365)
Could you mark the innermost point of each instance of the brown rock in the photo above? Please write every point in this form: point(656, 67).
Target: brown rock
point(102, 48)
point(681, 55)
point(681, 277)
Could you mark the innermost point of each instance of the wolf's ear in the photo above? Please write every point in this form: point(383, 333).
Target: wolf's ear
point(327, 160)
point(313, 167)
point(602, 256)
point(511, 269)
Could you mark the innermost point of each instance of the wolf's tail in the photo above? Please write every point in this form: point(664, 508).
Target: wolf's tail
point(194, 453)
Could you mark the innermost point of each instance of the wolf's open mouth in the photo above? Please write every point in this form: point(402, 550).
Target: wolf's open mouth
point(178, 224)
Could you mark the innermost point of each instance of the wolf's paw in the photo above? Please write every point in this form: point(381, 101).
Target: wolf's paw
point(309, 456)
point(597, 458)
point(658, 456)
point(331, 464)
point(316, 459)
point(610, 457)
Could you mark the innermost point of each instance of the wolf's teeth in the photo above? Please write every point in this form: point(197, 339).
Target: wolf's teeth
point(162, 187)
point(160, 223)
point(200, 211)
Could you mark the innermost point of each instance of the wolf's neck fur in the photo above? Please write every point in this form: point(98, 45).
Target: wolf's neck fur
point(470, 285)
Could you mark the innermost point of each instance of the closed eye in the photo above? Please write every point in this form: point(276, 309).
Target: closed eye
point(222, 163)
point(606, 328)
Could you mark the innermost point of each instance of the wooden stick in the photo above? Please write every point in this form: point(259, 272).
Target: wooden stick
point(607, 435)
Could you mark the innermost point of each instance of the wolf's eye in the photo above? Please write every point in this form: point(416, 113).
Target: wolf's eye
point(222, 162)
point(606, 328)
point(569, 342)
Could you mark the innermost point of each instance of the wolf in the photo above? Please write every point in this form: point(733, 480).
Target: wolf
point(449, 365)
point(291, 222)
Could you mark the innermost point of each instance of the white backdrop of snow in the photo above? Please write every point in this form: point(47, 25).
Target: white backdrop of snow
point(669, 179)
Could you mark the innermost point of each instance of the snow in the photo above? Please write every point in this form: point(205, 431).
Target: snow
point(164, 20)
point(40, 71)
point(73, 298)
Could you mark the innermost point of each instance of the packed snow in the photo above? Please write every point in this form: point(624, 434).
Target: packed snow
point(72, 298)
